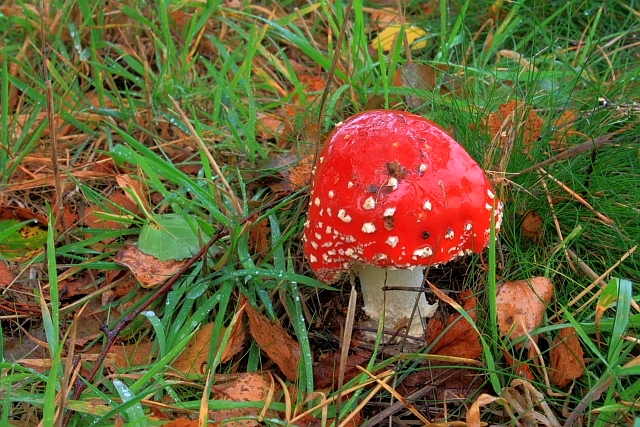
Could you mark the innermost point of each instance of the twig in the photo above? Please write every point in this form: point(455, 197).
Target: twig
point(571, 152)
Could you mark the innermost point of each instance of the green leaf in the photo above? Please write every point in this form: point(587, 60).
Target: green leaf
point(170, 236)
point(18, 240)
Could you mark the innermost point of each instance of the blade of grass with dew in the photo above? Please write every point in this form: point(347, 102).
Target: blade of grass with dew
point(300, 328)
point(135, 413)
point(623, 308)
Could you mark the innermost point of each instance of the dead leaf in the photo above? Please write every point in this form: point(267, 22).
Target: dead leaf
point(325, 372)
point(117, 206)
point(269, 126)
point(461, 339)
point(193, 360)
point(6, 275)
point(521, 305)
point(249, 387)
point(258, 237)
point(135, 191)
point(147, 269)
point(521, 369)
point(182, 422)
point(415, 76)
point(515, 119)
point(566, 358)
point(563, 128)
point(532, 226)
point(276, 342)
point(473, 414)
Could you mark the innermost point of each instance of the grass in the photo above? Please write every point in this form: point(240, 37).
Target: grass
point(115, 69)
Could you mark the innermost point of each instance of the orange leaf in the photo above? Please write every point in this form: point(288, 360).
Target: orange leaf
point(149, 270)
point(276, 342)
point(194, 357)
point(566, 354)
point(521, 305)
point(461, 339)
point(249, 387)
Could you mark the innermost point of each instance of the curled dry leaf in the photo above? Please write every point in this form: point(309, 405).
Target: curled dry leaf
point(149, 270)
point(97, 217)
point(567, 361)
point(461, 339)
point(193, 360)
point(521, 305)
point(276, 342)
point(249, 387)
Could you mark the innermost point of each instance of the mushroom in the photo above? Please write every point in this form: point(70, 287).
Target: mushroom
point(391, 194)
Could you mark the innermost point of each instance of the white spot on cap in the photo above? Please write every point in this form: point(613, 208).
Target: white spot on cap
point(393, 241)
point(321, 159)
point(427, 205)
point(328, 230)
point(329, 212)
point(379, 257)
point(449, 234)
point(490, 194)
point(349, 184)
point(313, 258)
point(369, 204)
point(339, 124)
point(349, 252)
point(317, 201)
point(467, 226)
point(422, 252)
point(349, 239)
point(422, 167)
point(307, 224)
point(319, 224)
point(315, 245)
point(332, 252)
point(488, 207)
point(393, 183)
point(368, 227)
point(460, 253)
point(389, 212)
point(318, 236)
point(331, 193)
point(342, 214)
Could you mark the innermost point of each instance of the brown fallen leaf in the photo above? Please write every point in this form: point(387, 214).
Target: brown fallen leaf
point(275, 342)
point(249, 387)
point(532, 226)
point(461, 339)
point(6, 275)
point(566, 358)
point(521, 369)
point(521, 305)
point(135, 191)
point(521, 118)
point(192, 361)
point(147, 269)
point(96, 216)
point(325, 372)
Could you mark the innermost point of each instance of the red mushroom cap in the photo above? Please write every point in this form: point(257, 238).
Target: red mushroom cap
point(393, 190)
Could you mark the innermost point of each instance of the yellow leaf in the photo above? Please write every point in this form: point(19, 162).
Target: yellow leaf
point(387, 37)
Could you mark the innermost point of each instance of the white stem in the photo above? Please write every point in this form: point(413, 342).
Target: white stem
point(398, 304)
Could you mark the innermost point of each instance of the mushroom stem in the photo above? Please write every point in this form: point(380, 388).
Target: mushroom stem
point(397, 305)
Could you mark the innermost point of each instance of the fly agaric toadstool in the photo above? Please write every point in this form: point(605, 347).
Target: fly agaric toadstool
point(391, 194)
